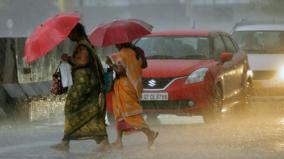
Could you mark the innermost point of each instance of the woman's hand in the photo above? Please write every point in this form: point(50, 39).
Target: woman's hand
point(65, 57)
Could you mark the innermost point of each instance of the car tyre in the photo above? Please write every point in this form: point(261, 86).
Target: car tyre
point(212, 112)
point(243, 106)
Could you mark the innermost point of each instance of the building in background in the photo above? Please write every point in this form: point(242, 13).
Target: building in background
point(20, 17)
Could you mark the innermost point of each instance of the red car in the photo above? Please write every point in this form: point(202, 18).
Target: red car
point(196, 72)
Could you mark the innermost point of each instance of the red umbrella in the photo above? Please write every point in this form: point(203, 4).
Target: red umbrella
point(49, 34)
point(119, 31)
point(145, 24)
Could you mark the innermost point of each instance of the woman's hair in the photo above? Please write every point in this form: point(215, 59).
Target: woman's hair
point(123, 45)
point(126, 45)
point(94, 60)
point(80, 30)
point(136, 49)
point(139, 52)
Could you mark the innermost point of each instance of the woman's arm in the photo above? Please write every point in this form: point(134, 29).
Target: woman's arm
point(81, 57)
point(118, 68)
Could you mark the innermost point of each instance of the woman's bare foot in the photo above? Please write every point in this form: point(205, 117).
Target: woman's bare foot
point(151, 139)
point(117, 145)
point(104, 146)
point(63, 146)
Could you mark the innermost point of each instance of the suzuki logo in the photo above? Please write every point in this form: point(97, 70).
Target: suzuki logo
point(152, 83)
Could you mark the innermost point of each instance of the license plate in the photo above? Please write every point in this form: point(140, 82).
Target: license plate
point(154, 96)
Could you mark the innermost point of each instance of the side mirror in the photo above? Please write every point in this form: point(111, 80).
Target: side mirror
point(226, 56)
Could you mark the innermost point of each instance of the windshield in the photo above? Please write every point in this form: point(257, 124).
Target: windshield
point(175, 47)
point(260, 41)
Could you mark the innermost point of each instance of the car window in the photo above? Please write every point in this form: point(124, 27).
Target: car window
point(219, 46)
point(260, 42)
point(175, 47)
point(229, 44)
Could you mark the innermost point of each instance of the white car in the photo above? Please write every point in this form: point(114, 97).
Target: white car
point(264, 44)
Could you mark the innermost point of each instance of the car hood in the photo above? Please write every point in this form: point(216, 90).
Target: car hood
point(265, 61)
point(172, 68)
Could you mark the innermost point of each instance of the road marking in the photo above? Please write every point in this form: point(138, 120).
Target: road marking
point(174, 119)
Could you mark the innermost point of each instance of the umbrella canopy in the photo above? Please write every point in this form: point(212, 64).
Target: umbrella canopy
point(119, 31)
point(49, 34)
point(148, 26)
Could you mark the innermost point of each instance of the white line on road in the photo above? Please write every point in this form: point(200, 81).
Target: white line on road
point(175, 119)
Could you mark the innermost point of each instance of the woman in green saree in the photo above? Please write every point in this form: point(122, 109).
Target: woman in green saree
point(84, 108)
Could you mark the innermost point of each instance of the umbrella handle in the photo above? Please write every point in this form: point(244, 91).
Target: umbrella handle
point(57, 67)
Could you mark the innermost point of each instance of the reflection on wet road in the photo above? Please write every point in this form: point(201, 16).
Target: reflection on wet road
point(258, 133)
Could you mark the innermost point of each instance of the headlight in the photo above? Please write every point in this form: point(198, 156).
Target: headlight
point(196, 76)
point(281, 73)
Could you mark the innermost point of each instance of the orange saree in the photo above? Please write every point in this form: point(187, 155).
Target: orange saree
point(127, 91)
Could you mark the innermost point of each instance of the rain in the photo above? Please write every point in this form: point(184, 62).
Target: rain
point(32, 119)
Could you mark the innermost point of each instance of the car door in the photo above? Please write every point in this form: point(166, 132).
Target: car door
point(238, 61)
point(226, 68)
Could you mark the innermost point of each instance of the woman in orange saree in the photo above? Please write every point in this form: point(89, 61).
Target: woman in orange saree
point(127, 91)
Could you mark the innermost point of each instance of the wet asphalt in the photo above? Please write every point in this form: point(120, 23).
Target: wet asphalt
point(256, 133)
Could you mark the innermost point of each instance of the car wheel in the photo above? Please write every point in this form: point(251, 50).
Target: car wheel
point(244, 104)
point(212, 112)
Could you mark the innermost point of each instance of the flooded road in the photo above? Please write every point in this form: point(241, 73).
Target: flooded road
point(259, 133)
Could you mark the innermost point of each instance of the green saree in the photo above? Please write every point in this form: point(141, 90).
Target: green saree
point(84, 116)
